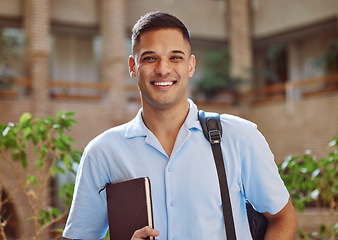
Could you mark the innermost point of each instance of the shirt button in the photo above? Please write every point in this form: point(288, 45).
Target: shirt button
point(170, 169)
point(174, 238)
point(172, 203)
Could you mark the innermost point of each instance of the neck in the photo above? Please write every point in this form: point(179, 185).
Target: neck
point(165, 123)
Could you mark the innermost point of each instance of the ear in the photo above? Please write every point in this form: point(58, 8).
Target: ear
point(192, 64)
point(131, 64)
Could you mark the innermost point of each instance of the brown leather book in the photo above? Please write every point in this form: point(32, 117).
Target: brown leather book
point(129, 207)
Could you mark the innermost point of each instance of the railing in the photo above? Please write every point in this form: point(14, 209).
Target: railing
point(14, 87)
point(302, 88)
point(92, 90)
point(58, 89)
point(66, 90)
point(315, 85)
point(61, 89)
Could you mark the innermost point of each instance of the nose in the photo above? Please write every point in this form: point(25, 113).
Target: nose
point(162, 68)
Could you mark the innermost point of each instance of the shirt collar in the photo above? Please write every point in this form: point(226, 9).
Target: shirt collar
point(192, 119)
point(137, 128)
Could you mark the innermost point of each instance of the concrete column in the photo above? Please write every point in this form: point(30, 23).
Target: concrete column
point(239, 32)
point(114, 61)
point(37, 26)
point(294, 71)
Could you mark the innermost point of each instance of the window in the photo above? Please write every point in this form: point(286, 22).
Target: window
point(11, 56)
point(75, 58)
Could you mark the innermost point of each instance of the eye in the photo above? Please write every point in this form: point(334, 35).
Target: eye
point(149, 59)
point(176, 58)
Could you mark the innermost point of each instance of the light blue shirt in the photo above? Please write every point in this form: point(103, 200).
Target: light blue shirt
point(185, 190)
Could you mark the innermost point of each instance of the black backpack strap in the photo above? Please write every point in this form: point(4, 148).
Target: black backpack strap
point(212, 130)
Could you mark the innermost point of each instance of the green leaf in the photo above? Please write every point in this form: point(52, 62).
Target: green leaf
point(39, 163)
point(15, 154)
point(55, 212)
point(27, 131)
point(49, 121)
point(24, 118)
point(60, 114)
point(70, 114)
point(32, 178)
point(55, 170)
point(23, 159)
point(44, 217)
point(60, 230)
point(67, 191)
point(66, 161)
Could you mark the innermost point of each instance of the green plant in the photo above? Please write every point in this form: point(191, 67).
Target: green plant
point(11, 48)
point(216, 76)
point(43, 142)
point(275, 64)
point(329, 60)
point(312, 181)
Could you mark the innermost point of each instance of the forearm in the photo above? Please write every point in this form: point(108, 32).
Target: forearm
point(283, 225)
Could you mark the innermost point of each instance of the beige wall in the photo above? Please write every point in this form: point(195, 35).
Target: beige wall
point(274, 16)
point(10, 8)
point(79, 12)
point(204, 19)
point(303, 125)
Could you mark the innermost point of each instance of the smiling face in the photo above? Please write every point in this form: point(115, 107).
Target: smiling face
point(162, 63)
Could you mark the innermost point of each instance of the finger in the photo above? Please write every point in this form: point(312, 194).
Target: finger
point(145, 232)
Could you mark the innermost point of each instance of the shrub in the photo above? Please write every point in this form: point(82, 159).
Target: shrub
point(312, 181)
point(43, 142)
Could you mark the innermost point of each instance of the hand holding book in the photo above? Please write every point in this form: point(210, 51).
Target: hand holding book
point(130, 210)
point(145, 233)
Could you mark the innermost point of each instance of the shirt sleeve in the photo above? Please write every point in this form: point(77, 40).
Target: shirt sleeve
point(262, 183)
point(88, 214)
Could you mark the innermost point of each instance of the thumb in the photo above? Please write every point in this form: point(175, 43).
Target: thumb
point(144, 233)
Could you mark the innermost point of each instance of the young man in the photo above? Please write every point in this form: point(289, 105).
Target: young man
point(165, 142)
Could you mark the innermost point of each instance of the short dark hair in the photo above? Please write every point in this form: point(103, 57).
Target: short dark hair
point(156, 21)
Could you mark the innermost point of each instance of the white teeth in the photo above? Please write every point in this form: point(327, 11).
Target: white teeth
point(163, 83)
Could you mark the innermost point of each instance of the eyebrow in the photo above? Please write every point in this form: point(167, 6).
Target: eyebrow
point(152, 52)
point(146, 53)
point(178, 51)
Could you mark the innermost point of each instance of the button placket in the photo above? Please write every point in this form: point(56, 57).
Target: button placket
point(170, 195)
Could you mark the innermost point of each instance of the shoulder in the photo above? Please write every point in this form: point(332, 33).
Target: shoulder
point(239, 131)
point(103, 149)
point(234, 122)
point(108, 138)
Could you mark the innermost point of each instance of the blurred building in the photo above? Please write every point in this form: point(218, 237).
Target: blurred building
point(71, 55)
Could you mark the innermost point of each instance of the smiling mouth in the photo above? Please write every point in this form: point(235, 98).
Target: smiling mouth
point(163, 83)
